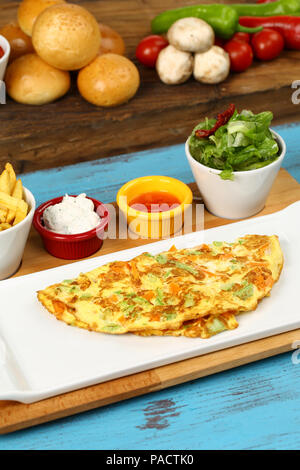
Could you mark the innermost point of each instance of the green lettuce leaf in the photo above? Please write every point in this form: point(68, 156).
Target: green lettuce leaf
point(244, 143)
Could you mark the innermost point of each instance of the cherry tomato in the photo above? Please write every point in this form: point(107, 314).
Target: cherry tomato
point(111, 41)
point(267, 44)
point(148, 49)
point(240, 53)
point(1, 52)
point(245, 37)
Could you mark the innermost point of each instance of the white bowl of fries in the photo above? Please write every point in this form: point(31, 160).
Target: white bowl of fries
point(17, 206)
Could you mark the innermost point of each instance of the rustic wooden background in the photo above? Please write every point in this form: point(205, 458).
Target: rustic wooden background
point(72, 130)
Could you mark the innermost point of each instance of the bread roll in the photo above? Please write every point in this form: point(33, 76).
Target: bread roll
point(111, 41)
point(29, 80)
point(109, 80)
point(29, 10)
point(20, 43)
point(66, 36)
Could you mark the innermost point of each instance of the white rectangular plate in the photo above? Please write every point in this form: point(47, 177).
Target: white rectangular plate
point(42, 357)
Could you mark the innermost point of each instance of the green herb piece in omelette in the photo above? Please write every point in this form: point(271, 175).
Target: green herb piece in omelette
point(189, 300)
point(169, 316)
point(126, 307)
point(187, 267)
point(159, 300)
point(67, 281)
point(140, 300)
point(85, 297)
point(129, 294)
point(245, 292)
point(111, 327)
point(216, 326)
point(67, 288)
point(195, 252)
point(227, 286)
point(73, 289)
point(162, 259)
point(167, 274)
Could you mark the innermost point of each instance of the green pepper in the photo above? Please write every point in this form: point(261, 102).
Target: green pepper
point(281, 7)
point(222, 18)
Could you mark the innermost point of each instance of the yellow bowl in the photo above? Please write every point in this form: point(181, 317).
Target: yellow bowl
point(156, 224)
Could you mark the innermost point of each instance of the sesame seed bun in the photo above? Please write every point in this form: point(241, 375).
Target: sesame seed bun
point(109, 80)
point(111, 41)
point(29, 10)
point(29, 80)
point(66, 36)
point(20, 43)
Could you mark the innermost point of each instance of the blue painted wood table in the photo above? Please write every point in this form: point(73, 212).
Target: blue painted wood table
point(255, 406)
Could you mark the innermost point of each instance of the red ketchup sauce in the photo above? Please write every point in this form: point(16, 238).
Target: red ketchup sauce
point(154, 201)
point(1, 52)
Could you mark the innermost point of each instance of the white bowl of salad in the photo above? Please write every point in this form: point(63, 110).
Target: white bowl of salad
point(235, 160)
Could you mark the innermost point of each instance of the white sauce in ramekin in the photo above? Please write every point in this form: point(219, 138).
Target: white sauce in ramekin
point(71, 216)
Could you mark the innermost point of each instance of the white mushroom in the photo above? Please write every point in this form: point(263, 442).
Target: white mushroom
point(174, 66)
point(191, 35)
point(212, 66)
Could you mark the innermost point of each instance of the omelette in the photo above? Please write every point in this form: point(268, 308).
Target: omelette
point(203, 327)
point(194, 292)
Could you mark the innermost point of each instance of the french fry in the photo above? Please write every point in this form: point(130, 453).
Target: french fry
point(13, 209)
point(5, 182)
point(8, 202)
point(18, 190)
point(18, 194)
point(21, 212)
point(4, 186)
point(3, 214)
point(5, 226)
point(12, 177)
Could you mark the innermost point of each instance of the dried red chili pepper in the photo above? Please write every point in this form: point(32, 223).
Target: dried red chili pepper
point(222, 119)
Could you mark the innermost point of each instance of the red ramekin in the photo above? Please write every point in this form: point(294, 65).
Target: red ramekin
point(76, 246)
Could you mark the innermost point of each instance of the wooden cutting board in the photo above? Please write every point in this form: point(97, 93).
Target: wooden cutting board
point(72, 130)
point(15, 416)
